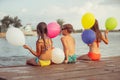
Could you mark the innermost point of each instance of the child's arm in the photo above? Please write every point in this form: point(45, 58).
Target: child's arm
point(35, 53)
point(65, 49)
point(30, 49)
point(51, 43)
point(105, 37)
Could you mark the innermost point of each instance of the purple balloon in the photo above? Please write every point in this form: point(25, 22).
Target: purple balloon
point(88, 36)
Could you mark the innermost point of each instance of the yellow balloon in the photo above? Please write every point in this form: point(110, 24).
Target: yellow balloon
point(88, 20)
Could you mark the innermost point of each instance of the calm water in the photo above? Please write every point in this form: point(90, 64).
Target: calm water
point(14, 55)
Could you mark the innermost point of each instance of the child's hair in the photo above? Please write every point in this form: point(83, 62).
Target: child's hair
point(69, 27)
point(95, 28)
point(41, 30)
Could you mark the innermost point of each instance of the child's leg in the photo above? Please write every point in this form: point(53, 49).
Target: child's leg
point(32, 62)
point(83, 57)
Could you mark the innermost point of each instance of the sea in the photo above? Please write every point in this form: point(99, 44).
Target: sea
point(11, 55)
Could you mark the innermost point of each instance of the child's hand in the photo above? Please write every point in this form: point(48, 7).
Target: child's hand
point(106, 31)
point(52, 47)
point(66, 61)
point(89, 44)
point(26, 46)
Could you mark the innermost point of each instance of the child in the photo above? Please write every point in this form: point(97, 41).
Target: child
point(68, 43)
point(94, 51)
point(43, 47)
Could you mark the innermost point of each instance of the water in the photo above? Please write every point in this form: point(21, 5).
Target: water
point(16, 55)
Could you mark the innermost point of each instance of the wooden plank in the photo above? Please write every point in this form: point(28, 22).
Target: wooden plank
point(108, 76)
point(84, 70)
point(65, 75)
point(23, 73)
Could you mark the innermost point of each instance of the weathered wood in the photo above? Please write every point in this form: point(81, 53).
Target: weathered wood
point(106, 69)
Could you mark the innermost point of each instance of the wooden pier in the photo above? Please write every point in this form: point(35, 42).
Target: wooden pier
point(106, 69)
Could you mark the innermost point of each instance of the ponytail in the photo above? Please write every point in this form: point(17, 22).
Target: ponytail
point(42, 37)
point(41, 30)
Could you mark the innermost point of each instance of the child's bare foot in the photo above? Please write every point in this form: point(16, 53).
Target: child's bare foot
point(66, 61)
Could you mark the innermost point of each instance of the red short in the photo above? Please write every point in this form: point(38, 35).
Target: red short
point(94, 56)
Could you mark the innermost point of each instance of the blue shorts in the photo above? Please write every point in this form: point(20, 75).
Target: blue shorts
point(36, 60)
point(72, 59)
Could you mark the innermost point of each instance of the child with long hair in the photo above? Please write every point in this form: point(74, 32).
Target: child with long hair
point(94, 48)
point(68, 43)
point(43, 47)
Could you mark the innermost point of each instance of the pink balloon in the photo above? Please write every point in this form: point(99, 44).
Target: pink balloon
point(53, 29)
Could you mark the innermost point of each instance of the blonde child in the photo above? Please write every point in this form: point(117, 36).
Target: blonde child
point(68, 43)
point(43, 47)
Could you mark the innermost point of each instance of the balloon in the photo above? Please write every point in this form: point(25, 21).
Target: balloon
point(58, 56)
point(111, 23)
point(88, 36)
point(53, 29)
point(15, 36)
point(88, 20)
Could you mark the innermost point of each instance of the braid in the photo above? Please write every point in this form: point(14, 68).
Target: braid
point(42, 37)
point(41, 30)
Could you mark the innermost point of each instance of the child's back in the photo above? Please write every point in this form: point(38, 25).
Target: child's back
point(45, 52)
point(70, 42)
point(94, 47)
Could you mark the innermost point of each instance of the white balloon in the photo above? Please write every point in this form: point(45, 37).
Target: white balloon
point(15, 36)
point(57, 55)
